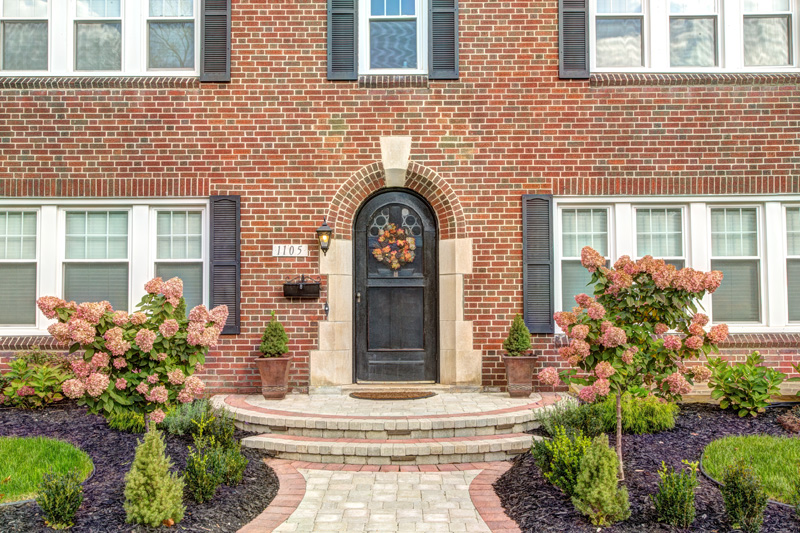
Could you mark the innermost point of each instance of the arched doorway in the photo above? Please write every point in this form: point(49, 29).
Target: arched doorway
point(396, 289)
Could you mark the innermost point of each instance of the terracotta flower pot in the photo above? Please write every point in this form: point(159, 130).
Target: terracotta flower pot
point(519, 375)
point(274, 376)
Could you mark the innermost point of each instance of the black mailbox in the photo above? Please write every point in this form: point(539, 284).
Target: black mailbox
point(301, 287)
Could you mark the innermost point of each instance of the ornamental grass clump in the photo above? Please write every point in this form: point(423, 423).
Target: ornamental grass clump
point(674, 501)
point(596, 492)
point(153, 495)
point(639, 415)
point(744, 497)
point(142, 362)
point(573, 417)
point(518, 342)
point(619, 337)
point(744, 387)
point(59, 496)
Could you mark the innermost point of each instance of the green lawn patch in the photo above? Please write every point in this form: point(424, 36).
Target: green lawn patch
point(25, 460)
point(774, 459)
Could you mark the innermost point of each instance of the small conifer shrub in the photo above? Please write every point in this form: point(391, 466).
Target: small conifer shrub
point(596, 492)
point(674, 500)
point(274, 340)
point(203, 473)
point(153, 495)
point(518, 341)
point(744, 497)
point(60, 496)
point(565, 452)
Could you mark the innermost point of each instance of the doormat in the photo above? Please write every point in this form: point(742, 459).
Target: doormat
point(392, 395)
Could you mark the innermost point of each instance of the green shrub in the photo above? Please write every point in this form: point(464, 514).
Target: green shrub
point(745, 387)
point(566, 452)
point(744, 497)
point(30, 384)
point(179, 420)
point(231, 464)
point(221, 429)
point(639, 415)
point(518, 341)
point(203, 473)
point(128, 421)
point(541, 454)
point(596, 492)
point(152, 493)
point(274, 340)
point(573, 417)
point(795, 491)
point(60, 496)
point(674, 500)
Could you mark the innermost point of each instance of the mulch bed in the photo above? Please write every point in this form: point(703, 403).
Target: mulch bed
point(537, 506)
point(112, 453)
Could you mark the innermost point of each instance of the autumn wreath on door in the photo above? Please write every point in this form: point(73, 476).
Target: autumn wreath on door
point(395, 247)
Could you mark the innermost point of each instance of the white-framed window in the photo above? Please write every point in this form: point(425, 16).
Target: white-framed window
point(735, 251)
point(105, 249)
point(793, 262)
point(99, 37)
point(693, 35)
point(18, 260)
point(170, 34)
point(754, 240)
point(659, 233)
point(392, 37)
point(180, 250)
point(24, 34)
point(96, 256)
point(767, 32)
point(619, 30)
point(580, 227)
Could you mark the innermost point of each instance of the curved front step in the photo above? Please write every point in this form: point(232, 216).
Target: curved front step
point(393, 451)
point(517, 419)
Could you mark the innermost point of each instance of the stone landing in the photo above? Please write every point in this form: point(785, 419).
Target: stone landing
point(449, 428)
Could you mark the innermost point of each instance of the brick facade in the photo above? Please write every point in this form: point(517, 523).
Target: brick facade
point(298, 147)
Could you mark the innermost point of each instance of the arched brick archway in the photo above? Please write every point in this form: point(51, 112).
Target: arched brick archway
point(372, 178)
point(331, 366)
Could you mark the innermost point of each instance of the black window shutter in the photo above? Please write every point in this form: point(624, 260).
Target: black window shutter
point(225, 261)
point(573, 38)
point(342, 39)
point(443, 54)
point(537, 257)
point(215, 49)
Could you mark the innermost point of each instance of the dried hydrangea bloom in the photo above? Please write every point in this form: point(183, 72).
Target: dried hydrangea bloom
point(100, 360)
point(661, 328)
point(678, 384)
point(120, 318)
point(671, 342)
point(587, 394)
point(718, 333)
point(121, 384)
point(96, 384)
point(92, 312)
point(549, 376)
point(49, 304)
point(73, 388)
point(158, 394)
point(154, 286)
point(613, 337)
point(138, 318)
point(115, 343)
point(604, 370)
point(176, 376)
point(579, 331)
point(145, 339)
point(81, 331)
point(602, 387)
point(157, 416)
point(169, 328)
point(693, 343)
point(596, 311)
point(591, 259)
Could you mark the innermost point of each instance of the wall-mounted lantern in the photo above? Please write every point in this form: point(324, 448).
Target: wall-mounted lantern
point(324, 233)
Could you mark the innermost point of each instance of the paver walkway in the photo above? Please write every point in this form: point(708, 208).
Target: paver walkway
point(322, 497)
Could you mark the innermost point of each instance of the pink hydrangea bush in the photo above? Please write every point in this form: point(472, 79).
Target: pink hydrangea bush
point(618, 338)
point(142, 361)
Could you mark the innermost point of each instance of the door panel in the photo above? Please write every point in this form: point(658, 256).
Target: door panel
point(396, 315)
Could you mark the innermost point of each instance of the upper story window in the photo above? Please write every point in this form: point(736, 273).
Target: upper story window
point(693, 35)
point(98, 37)
point(391, 37)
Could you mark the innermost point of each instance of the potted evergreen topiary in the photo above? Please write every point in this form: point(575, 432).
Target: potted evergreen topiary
point(274, 366)
point(518, 361)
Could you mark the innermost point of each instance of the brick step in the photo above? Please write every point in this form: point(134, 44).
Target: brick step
point(393, 451)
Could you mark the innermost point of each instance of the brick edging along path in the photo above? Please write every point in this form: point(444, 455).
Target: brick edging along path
point(292, 489)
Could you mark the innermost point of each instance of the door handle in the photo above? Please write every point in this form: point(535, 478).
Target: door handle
point(358, 297)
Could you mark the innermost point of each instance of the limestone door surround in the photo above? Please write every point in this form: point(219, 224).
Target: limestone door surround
point(331, 365)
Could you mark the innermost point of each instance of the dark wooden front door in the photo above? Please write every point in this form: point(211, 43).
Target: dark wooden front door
point(396, 296)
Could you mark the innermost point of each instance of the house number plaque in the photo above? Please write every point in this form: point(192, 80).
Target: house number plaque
point(290, 250)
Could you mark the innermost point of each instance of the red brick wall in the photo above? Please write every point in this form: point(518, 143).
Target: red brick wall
point(287, 140)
